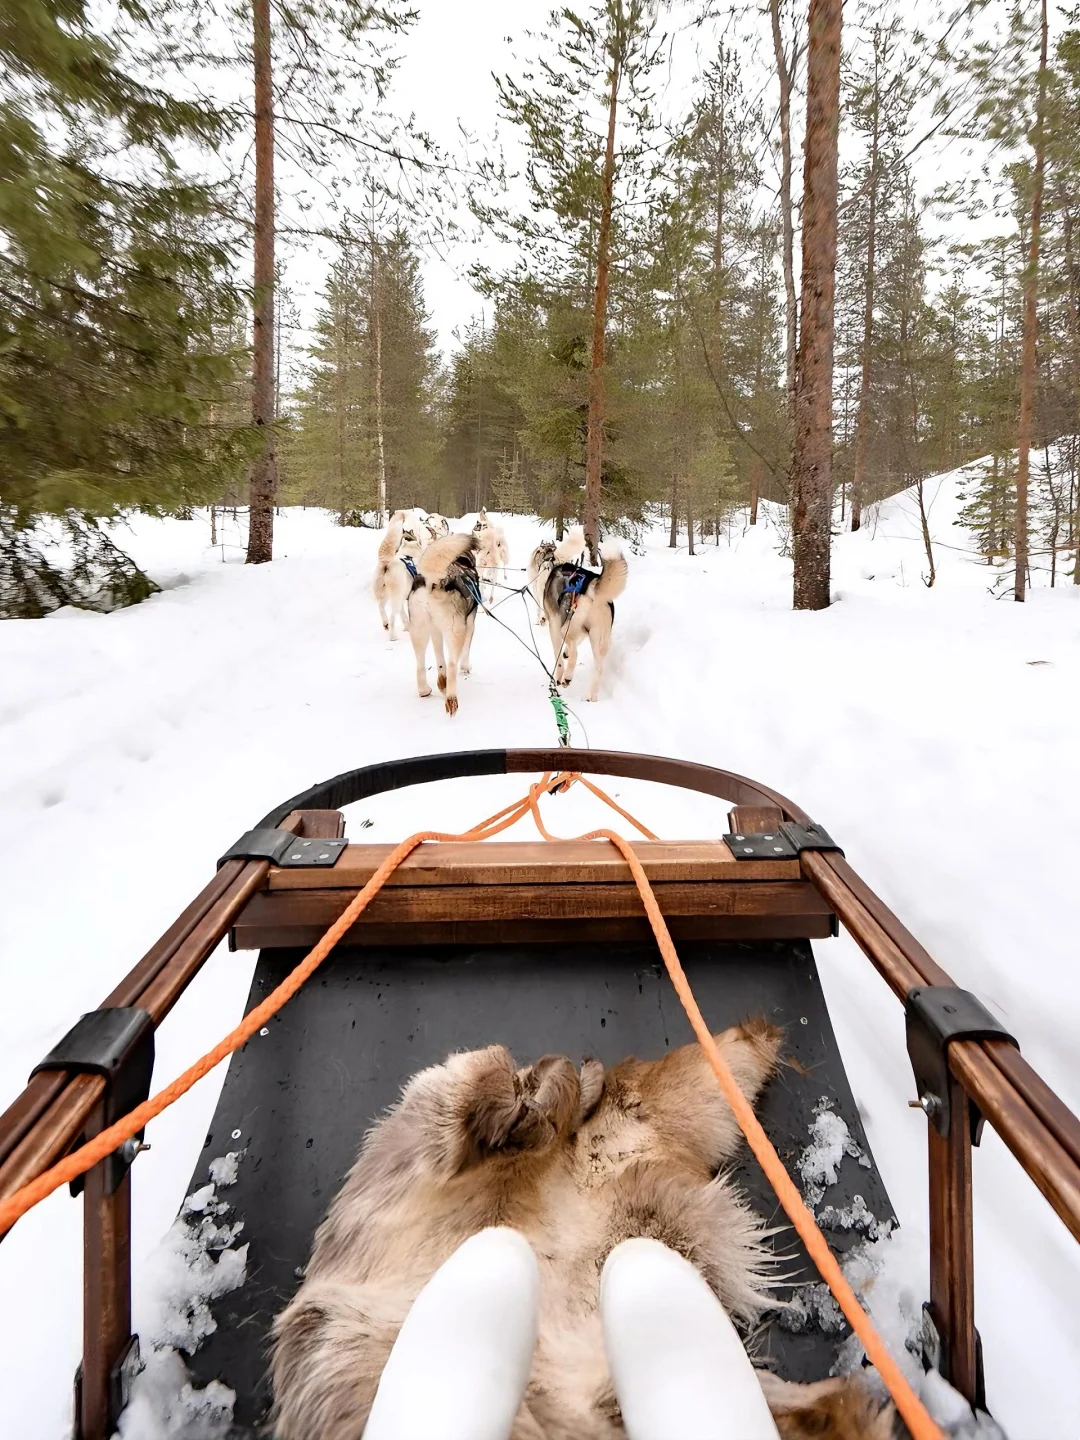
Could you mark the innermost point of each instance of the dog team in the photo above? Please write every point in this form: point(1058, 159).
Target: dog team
point(431, 582)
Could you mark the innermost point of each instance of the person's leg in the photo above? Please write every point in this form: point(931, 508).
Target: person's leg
point(676, 1360)
point(460, 1364)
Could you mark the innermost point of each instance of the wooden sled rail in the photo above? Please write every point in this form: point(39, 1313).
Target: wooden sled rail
point(528, 893)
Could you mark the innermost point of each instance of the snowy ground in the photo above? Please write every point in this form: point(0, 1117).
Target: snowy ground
point(932, 731)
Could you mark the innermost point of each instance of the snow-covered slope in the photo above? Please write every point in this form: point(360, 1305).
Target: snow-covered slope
point(932, 731)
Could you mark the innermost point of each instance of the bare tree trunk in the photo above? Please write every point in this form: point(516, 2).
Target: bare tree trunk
point(786, 76)
point(928, 580)
point(1031, 320)
point(674, 537)
point(811, 462)
point(755, 476)
point(690, 516)
point(862, 417)
point(264, 470)
point(594, 443)
point(379, 437)
point(213, 525)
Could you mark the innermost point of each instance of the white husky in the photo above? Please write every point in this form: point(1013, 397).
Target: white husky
point(399, 550)
point(492, 554)
point(442, 610)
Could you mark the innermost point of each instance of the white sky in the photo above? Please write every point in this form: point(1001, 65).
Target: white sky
point(445, 82)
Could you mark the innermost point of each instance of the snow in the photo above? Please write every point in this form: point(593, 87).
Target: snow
point(196, 1262)
point(933, 732)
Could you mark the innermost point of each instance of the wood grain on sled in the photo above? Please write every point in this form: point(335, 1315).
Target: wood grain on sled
point(535, 862)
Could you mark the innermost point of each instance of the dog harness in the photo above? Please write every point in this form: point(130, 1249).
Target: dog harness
point(407, 561)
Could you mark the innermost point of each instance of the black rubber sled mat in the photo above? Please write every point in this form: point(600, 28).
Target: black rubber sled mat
point(302, 1094)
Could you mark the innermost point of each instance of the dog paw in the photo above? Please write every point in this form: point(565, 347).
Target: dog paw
point(451, 704)
point(425, 693)
point(465, 670)
point(564, 683)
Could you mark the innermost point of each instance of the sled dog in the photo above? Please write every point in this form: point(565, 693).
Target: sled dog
point(579, 603)
point(395, 571)
point(545, 557)
point(576, 1160)
point(492, 555)
point(442, 609)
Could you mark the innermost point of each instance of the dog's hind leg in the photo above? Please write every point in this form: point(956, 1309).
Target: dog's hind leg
point(439, 648)
point(599, 642)
point(379, 587)
point(419, 635)
point(466, 651)
point(457, 641)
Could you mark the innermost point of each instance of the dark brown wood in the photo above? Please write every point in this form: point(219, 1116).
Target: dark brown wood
point(980, 1066)
point(1051, 1168)
point(106, 1299)
point(952, 1246)
point(535, 862)
point(628, 930)
point(318, 824)
point(754, 820)
point(155, 984)
point(547, 899)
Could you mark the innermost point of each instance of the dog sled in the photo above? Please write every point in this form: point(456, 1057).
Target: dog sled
point(543, 946)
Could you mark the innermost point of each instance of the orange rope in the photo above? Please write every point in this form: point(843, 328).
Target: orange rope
point(911, 1408)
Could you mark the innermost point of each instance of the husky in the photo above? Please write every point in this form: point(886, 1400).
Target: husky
point(395, 572)
point(492, 556)
point(577, 603)
point(543, 560)
point(576, 1159)
point(437, 526)
point(442, 608)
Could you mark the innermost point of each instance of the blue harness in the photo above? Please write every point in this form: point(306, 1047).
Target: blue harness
point(406, 560)
point(575, 585)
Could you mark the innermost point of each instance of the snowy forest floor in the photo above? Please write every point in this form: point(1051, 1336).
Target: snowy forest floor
point(933, 732)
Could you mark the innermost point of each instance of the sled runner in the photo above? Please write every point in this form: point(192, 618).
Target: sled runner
point(542, 946)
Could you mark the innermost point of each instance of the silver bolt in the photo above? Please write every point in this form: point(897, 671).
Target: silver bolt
point(130, 1148)
point(779, 849)
point(236, 1134)
point(325, 855)
point(928, 1104)
point(740, 837)
point(264, 1031)
point(748, 850)
point(296, 856)
point(768, 837)
point(803, 1020)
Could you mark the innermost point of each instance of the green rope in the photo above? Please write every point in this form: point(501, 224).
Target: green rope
point(560, 716)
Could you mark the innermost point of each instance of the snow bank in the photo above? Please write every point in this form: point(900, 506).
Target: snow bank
point(914, 723)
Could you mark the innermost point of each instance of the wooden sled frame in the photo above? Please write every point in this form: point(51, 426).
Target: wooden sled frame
point(529, 893)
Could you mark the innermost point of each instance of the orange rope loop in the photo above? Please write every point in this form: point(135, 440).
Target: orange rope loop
point(914, 1413)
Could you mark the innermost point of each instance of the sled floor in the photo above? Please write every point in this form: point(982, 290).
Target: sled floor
point(303, 1094)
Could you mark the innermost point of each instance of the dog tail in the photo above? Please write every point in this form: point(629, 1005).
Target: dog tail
point(612, 580)
point(434, 564)
point(391, 540)
point(570, 546)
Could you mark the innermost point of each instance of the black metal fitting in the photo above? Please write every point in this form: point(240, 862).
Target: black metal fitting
point(935, 1015)
point(281, 848)
point(117, 1044)
point(787, 842)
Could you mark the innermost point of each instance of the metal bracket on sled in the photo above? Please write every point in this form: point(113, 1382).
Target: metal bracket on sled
point(785, 843)
point(935, 1015)
point(281, 848)
point(117, 1044)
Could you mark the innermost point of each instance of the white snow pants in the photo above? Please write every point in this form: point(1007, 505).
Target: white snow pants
point(459, 1367)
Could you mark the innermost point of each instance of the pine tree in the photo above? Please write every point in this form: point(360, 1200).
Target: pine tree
point(113, 297)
